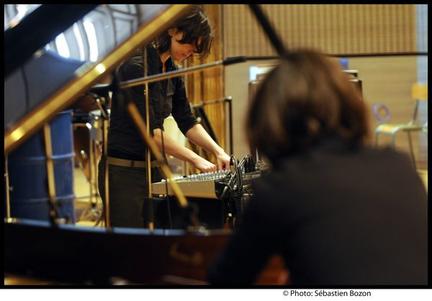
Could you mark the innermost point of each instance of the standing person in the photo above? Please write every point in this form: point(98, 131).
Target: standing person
point(338, 211)
point(126, 148)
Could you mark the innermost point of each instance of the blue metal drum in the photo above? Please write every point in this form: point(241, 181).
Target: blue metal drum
point(28, 176)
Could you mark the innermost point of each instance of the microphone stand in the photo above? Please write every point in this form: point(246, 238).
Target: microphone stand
point(143, 128)
point(102, 91)
point(8, 218)
point(147, 151)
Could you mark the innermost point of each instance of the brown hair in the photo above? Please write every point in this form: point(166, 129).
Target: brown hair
point(306, 97)
point(194, 25)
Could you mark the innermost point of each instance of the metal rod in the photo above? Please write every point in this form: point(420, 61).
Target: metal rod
point(353, 55)
point(106, 175)
point(105, 125)
point(147, 150)
point(411, 149)
point(162, 76)
point(53, 214)
point(92, 171)
point(379, 54)
point(7, 190)
point(230, 124)
point(210, 102)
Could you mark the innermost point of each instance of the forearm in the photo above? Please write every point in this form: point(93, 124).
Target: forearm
point(173, 148)
point(199, 136)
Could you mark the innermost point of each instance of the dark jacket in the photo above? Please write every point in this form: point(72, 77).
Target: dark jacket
point(166, 97)
point(337, 216)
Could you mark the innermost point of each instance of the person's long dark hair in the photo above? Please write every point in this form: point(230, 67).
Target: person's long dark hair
point(196, 29)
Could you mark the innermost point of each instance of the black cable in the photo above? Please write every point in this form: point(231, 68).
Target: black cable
point(236, 187)
point(230, 181)
point(240, 178)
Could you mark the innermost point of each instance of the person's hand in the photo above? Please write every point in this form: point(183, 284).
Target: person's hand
point(223, 161)
point(203, 165)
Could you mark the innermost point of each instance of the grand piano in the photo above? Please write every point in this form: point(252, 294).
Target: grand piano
point(35, 92)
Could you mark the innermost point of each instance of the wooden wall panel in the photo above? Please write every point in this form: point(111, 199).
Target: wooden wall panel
point(339, 29)
point(333, 28)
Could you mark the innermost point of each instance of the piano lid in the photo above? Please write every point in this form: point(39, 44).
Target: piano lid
point(38, 88)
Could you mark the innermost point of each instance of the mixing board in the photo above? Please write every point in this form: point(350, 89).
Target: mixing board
point(204, 185)
point(201, 185)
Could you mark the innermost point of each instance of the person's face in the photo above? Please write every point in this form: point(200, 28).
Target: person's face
point(179, 52)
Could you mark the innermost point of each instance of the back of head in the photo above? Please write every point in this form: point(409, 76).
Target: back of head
point(303, 99)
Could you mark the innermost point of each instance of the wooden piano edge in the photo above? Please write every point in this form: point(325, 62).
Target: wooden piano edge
point(273, 274)
point(61, 256)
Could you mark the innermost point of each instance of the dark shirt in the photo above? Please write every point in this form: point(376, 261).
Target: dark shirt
point(337, 217)
point(166, 97)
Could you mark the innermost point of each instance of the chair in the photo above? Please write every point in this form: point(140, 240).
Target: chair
point(419, 93)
